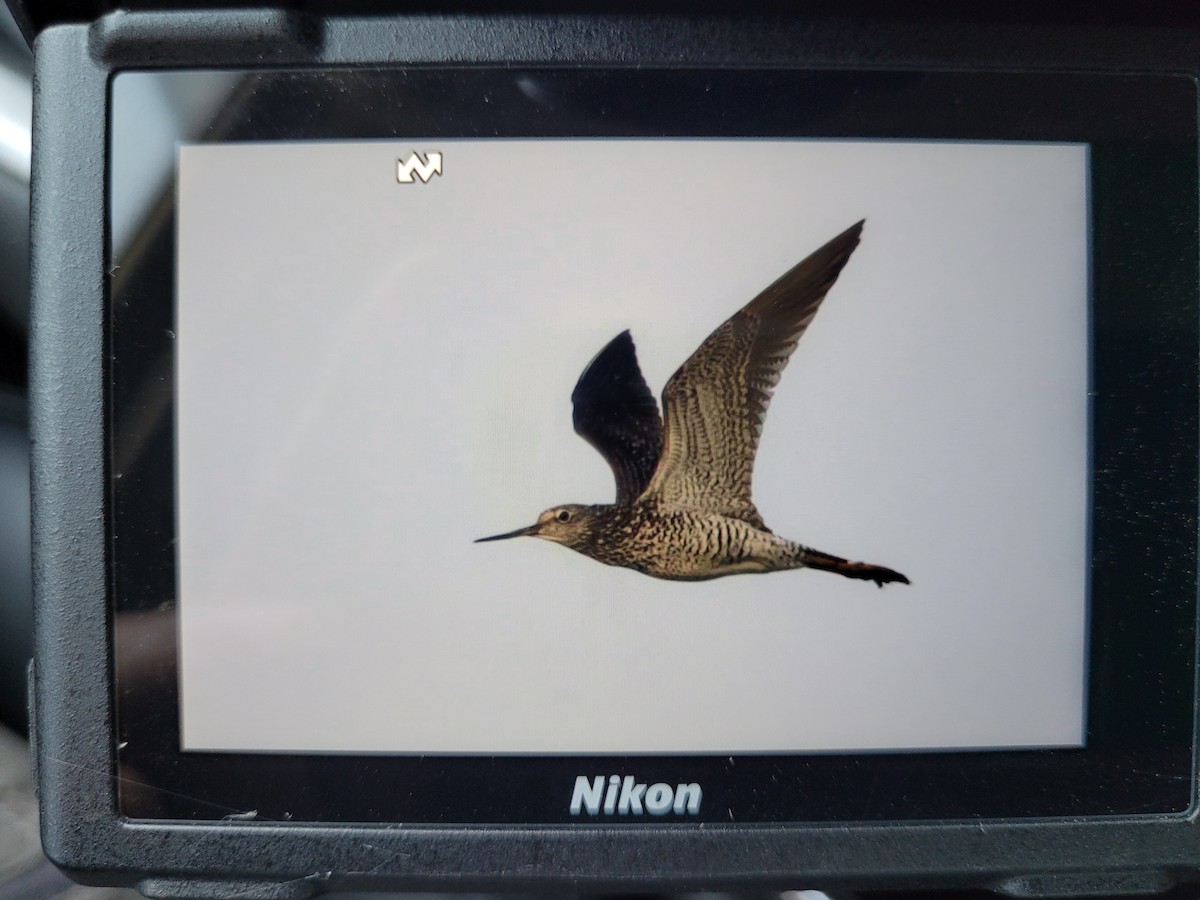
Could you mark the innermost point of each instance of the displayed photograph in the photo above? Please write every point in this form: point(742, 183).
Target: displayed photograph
point(406, 369)
point(683, 507)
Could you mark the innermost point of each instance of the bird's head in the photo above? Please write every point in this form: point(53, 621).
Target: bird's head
point(569, 524)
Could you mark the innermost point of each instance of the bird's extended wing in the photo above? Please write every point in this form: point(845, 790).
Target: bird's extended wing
point(716, 402)
point(615, 412)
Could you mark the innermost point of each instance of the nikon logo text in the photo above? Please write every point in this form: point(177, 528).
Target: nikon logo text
point(624, 796)
point(423, 168)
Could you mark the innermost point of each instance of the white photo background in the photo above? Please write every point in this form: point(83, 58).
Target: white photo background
point(371, 375)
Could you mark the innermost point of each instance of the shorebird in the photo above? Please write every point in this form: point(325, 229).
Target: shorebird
point(683, 509)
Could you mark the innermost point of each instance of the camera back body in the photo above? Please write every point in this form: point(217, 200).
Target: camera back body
point(324, 302)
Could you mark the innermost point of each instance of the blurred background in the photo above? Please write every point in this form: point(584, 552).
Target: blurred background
point(16, 613)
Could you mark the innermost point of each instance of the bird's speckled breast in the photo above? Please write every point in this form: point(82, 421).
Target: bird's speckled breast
point(681, 544)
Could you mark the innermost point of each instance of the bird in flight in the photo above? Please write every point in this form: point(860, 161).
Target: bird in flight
point(683, 509)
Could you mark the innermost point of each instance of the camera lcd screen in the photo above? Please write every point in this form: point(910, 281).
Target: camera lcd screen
point(832, 437)
point(373, 372)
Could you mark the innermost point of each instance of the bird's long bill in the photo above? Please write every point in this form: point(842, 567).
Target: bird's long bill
point(520, 532)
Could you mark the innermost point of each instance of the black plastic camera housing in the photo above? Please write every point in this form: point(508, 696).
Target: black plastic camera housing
point(123, 803)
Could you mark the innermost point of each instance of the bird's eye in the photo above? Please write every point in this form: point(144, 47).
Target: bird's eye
point(563, 515)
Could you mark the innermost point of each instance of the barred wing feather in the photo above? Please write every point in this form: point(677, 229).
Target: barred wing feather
point(715, 404)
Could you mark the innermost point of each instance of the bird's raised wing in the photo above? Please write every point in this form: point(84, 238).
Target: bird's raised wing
point(716, 402)
point(615, 412)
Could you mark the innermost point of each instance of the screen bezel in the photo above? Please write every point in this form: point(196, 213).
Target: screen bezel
point(1139, 752)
